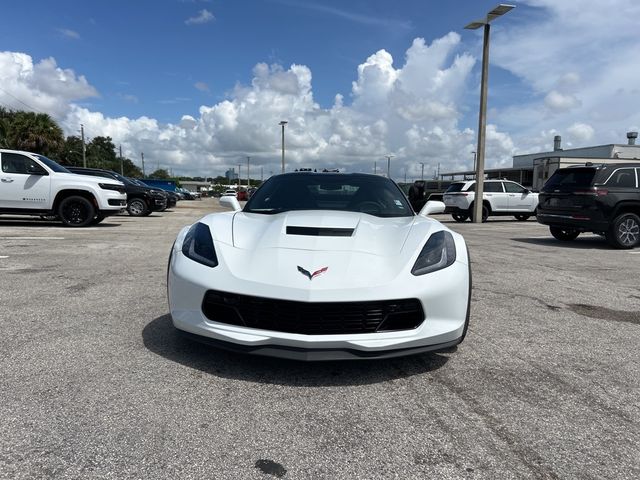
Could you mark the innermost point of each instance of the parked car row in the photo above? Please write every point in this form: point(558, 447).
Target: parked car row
point(602, 199)
point(33, 184)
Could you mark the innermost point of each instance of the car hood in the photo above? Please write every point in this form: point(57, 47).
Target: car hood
point(262, 250)
point(321, 231)
point(79, 177)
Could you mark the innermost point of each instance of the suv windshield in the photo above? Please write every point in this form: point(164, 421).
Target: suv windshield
point(570, 179)
point(52, 165)
point(325, 191)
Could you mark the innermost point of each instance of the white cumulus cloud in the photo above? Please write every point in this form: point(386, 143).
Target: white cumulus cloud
point(203, 16)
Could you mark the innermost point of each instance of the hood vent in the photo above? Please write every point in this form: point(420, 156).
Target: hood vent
point(320, 231)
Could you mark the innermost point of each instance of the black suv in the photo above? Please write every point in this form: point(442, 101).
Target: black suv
point(141, 201)
point(604, 199)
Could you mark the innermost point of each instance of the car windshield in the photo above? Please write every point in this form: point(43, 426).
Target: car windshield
point(569, 179)
point(52, 165)
point(326, 191)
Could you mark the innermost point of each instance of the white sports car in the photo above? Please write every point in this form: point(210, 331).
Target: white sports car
point(322, 266)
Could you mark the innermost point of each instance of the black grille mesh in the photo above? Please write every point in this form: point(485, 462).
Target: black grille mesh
point(312, 318)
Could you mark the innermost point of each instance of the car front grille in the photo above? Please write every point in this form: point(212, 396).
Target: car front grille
point(312, 318)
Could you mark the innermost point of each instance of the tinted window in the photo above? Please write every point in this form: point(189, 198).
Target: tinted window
point(325, 191)
point(52, 165)
point(16, 163)
point(570, 178)
point(454, 187)
point(511, 187)
point(623, 178)
point(493, 187)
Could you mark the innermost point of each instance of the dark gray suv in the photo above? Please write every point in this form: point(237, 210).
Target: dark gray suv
point(603, 199)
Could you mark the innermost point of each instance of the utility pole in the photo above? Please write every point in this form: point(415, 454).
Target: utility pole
point(375, 167)
point(142, 155)
point(283, 123)
point(389, 157)
point(84, 148)
point(239, 176)
point(405, 174)
point(261, 174)
point(422, 174)
point(248, 177)
point(121, 166)
point(438, 170)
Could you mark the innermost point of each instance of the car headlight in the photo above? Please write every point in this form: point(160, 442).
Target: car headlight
point(112, 186)
point(198, 245)
point(439, 252)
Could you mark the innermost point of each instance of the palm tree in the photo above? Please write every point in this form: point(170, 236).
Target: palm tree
point(34, 132)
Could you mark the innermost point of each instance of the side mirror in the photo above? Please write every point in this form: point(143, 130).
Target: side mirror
point(432, 207)
point(231, 202)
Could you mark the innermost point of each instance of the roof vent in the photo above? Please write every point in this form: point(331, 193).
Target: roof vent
point(631, 137)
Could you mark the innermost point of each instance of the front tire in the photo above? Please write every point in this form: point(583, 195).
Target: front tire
point(625, 231)
point(460, 217)
point(97, 219)
point(137, 207)
point(564, 234)
point(76, 211)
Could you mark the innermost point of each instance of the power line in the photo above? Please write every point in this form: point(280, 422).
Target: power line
point(23, 103)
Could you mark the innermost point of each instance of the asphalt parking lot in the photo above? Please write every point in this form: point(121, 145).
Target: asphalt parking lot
point(94, 383)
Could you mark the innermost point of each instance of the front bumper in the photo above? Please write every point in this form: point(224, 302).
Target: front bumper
point(158, 203)
point(445, 296)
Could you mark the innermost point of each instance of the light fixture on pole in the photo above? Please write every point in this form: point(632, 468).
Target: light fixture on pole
point(282, 124)
point(500, 10)
point(389, 157)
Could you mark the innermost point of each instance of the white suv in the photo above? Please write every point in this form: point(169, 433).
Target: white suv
point(500, 197)
point(32, 184)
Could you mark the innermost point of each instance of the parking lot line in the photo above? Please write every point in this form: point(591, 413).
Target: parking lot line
point(31, 238)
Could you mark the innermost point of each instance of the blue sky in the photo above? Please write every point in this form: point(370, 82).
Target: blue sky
point(161, 61)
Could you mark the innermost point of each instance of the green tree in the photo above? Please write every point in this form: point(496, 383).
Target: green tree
point(101, 153)
point(160, 173)
point(71, 153)
point(34, 132)
point(130, 169)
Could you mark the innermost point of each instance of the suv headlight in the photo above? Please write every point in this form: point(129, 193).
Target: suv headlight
point(439, 252)
point(112, 186)
point(198, 245)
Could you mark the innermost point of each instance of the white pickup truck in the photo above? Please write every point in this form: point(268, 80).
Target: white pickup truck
point(500, 197)
point(32, 184)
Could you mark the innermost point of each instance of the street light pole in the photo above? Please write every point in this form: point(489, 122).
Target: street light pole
point(142, 155)
point(474, 161)
point(375, 167)
point(422, 174)
point(248, 159)
point(500, 10)
point(282, 124)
